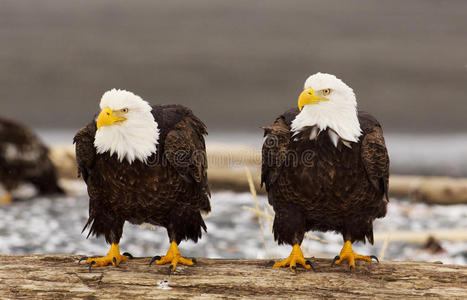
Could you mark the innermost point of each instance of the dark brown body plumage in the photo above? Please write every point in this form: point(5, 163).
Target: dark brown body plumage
point(314, 185)
point(24, 159)
point(170, 190)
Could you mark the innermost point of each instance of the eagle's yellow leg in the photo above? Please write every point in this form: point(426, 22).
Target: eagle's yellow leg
point(5, 199)
point(295, 257)
point(173, 257)
point(348, 254)
point(113, 257)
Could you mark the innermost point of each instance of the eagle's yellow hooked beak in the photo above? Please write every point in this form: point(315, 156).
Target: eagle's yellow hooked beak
point(108, 117)
point(308, 97)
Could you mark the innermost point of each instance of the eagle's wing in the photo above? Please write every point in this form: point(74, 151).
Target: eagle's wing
point(274, 152)
point(185, 150)
point(375, 155)
point(85, 151)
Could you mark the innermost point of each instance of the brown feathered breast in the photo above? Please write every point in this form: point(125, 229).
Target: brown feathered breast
point(314, 185)
point(170, 190)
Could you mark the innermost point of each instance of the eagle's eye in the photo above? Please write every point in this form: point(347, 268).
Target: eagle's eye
point(124, 110)
point(326, 92)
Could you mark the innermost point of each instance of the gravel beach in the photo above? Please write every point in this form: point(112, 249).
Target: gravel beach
point(53, 225)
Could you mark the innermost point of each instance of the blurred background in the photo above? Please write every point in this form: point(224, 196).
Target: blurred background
point(238, 64)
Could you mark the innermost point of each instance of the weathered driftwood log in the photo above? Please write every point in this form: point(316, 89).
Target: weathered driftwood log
point(435, 190)
point(420, 237)
point(60, 276)
point(226, 171)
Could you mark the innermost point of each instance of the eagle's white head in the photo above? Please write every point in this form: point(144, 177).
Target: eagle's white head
point(126, 126)
point(327, 102)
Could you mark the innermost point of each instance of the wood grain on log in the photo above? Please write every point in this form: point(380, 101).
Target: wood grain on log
point(60, 276)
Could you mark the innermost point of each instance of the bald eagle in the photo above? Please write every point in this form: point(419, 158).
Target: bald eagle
point(143, 164)
point(24, 159)
point(326, 168)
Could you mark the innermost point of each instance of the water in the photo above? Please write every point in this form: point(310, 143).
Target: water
point(53, 225)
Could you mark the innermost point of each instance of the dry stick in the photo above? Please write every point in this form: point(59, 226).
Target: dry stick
point(258, 212)
point(270, 209)
point(270, 218)
point(253, 193)
point(310, 236)
point(385, 246)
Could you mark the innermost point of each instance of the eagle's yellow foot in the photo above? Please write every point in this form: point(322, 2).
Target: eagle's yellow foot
point(5, 199)
point(295, 257)
point(113, 257)
point(173, 257)
point(348, 254)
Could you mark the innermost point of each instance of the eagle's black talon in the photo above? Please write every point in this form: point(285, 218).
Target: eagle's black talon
point(82, 258)
point(294, 269)
point(194, 261)
point(374, 257)
point(92, 263)
point(310, 264)
point(170, 269)
point(352, 268)
point(270, 263)
point(115, 261)
point(157, 257)
point(127, 254)
point(334, 260)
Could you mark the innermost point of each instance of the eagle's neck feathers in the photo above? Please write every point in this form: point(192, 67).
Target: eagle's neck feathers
point(342, 121)
point(134, 139)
